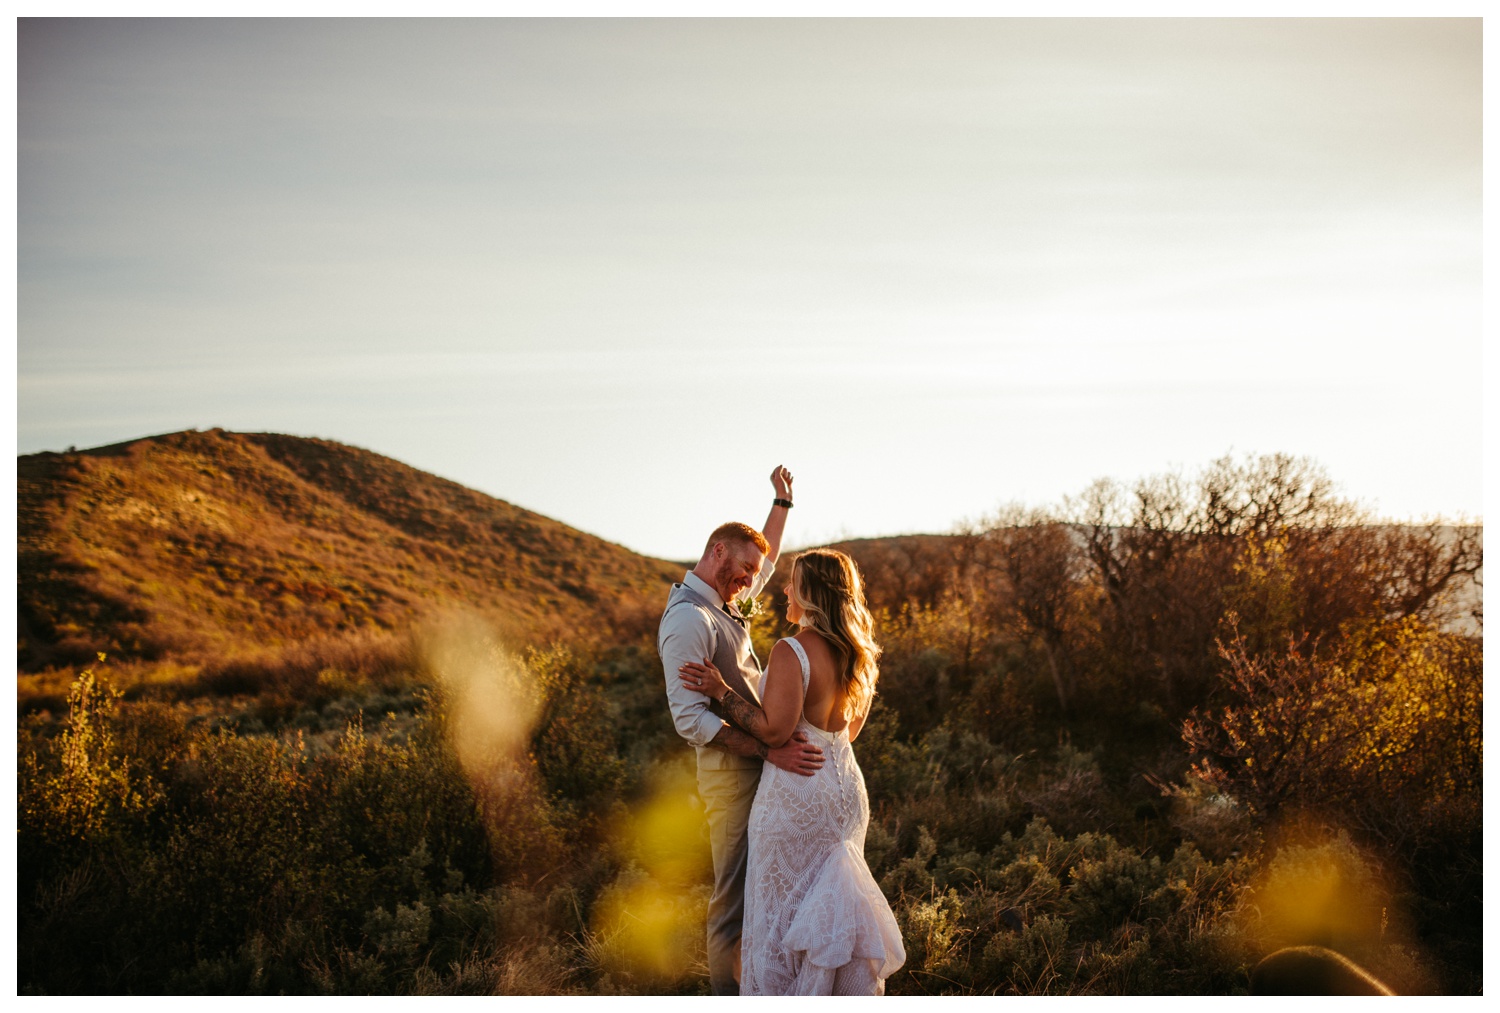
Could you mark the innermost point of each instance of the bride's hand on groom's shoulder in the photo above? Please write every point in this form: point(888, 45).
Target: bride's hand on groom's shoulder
point(798, 756)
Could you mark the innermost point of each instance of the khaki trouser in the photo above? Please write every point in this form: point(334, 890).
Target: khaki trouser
point(727, 797)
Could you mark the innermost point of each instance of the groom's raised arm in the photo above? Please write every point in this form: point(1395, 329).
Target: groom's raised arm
point(781, 481)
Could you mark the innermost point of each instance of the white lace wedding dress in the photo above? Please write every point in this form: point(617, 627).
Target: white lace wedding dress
point(815, 922)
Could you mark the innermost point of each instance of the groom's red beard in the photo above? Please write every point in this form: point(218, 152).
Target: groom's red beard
point(725, 581)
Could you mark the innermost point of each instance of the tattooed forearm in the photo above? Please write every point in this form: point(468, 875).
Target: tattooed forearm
point(732, 740)
point(744, 713)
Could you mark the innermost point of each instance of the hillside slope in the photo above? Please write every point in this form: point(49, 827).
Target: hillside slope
point(203, 545)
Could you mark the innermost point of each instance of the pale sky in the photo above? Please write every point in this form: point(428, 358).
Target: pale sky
point(614, 271)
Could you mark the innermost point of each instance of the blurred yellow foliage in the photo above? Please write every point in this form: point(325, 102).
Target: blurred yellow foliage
point(650, 922)
point(1317, 891)
point(492, 699)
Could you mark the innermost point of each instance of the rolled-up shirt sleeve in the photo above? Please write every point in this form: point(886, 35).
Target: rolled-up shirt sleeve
point(685, 636)
point(762, 579)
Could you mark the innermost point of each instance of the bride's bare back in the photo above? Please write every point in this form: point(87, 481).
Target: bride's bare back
point(823, 704)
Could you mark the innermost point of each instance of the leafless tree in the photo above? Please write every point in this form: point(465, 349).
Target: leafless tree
point(1040, 561)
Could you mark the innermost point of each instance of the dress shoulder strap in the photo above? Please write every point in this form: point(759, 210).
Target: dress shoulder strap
point(802, 657)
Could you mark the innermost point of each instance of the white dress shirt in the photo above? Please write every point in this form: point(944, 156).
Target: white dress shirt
point(686, 635)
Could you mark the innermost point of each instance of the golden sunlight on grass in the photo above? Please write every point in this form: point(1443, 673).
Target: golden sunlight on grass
point(48, 689)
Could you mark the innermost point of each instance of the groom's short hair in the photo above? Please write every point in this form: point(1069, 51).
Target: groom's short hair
point(735, 533)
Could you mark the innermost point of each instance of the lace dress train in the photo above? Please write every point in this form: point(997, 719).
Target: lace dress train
point(815, 922)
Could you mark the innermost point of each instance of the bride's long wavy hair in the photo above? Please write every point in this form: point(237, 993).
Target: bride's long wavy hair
point(827, 585)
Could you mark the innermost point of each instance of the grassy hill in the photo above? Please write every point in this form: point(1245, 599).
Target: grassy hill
point(285, 780)
point(207, 547)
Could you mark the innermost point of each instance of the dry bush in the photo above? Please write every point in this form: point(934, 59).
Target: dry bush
point(1035, 567)
point(1379, 736)
point(1267, 539)
point(1391, 712)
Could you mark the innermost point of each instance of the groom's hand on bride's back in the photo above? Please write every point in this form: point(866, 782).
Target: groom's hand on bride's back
point(798, 756)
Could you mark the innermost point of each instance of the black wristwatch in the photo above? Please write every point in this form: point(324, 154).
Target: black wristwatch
point(778, 501)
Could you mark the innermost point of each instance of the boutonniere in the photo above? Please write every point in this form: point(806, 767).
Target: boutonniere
point(748, 608)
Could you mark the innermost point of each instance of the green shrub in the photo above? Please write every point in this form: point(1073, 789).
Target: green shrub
point(1108, 889)
point(1027, 883)
point(930, 929)
point(1032, 961)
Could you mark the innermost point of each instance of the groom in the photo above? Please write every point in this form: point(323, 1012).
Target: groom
point(702, 621)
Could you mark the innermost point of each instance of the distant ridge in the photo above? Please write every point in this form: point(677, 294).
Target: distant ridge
point(202, 545)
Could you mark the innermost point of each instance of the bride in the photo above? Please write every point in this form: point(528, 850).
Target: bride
point(815, 923)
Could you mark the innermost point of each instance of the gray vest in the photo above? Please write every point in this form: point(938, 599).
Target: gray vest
point(734, 656)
